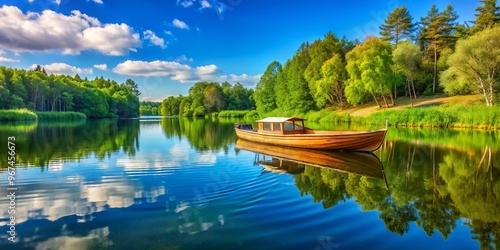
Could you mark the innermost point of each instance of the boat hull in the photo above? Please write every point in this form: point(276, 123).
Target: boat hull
point(332, 140)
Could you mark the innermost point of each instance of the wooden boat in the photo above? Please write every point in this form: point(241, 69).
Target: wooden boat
point(291, 132)
point(281, 159)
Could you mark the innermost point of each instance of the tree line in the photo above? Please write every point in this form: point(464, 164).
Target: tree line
point(208, 97)
point(409, 58)
point(38, 91)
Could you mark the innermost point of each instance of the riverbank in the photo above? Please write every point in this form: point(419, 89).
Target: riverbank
point(432, 111)
point(26, 115)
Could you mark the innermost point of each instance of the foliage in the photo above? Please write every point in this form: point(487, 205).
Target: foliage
point(149, 108)
point(370, 70)
point(233, 113)
point(292, 90)
point(408, 56)
point(488, 16)
point(208, 97)
point(17, 115)
point(320, 52)
point(39, 92)
point(476, 59)
point(264, 95)
point(437, 33)
point(52, 115)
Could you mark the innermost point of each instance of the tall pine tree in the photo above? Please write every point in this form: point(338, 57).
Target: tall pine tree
point(488, 15)
point(398, 25)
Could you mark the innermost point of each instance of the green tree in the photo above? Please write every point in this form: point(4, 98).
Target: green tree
point(438, 33)
point(398, 25)
point(408, 56)
point(264, 95)
point(330, 88)
point(488, 15)
point(370, 70)
point(133, 87)
point(476, 59)
point(292, 90)
point(213, 100)
point(319, 52)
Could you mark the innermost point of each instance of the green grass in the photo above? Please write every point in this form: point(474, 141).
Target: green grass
point(61, 115)
point(233, 113)
point(450, 115)
point(444, 116)
point(17, 115)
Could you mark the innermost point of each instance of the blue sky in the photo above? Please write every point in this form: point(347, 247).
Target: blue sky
point(166, 46)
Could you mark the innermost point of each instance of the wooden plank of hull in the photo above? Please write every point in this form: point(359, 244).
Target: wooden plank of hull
point(361, 163)
point(355, 140)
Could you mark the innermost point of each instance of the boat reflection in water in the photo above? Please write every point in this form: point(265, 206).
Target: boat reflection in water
point(293, 160)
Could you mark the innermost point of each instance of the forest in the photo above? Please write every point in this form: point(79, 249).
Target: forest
point(37, 91)
point(209, 97)
point(410, 58)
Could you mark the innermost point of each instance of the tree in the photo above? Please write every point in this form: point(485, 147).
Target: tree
point(264, 95)
point(320, 51)
point(213, 100)
point(476, 59)
point(370, 70)
point(132, 86)
point(438, 33)
point(299, 96)
point(488, 16)
point(330, 88)
point(398, 25)
point(408, 56)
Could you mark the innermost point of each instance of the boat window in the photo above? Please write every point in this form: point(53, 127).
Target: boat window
point(288, 126)
point(298, 127)
point(267, 126)
point(276, 126)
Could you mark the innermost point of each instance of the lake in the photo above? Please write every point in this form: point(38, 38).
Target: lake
point(188, 184)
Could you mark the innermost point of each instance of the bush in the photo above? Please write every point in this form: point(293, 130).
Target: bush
point(233, 113)
point(199, 111)
point(252, 115)
point(17, 115)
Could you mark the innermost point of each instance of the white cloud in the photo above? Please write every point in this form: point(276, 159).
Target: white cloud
point(182, 72)
point(97, 1)
point(4, 59)
point(184, 58)
point(58, 2)
point(63, 69)
point(31, 1)
point(207, 70)
point(180, 24)
point(154, 39)
point(51, 31)
point(185, 3)
point(101, 66)
point(168, 32)
point(205, 4)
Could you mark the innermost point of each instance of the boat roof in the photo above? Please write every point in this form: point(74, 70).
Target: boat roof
point(281, 119)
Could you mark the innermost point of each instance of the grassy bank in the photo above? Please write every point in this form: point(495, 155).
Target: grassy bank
point(442, 112)
point(17, 115)
point(61, 116)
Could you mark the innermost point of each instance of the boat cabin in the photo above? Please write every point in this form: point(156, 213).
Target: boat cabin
point(281, 125)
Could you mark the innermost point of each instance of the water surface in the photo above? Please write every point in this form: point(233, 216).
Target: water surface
point(183, 184)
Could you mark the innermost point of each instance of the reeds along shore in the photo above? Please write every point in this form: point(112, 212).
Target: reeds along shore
point(25, 114)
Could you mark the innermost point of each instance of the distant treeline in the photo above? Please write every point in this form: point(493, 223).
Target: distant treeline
point(37, 91)
point(208, 98)
point(433, 55)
